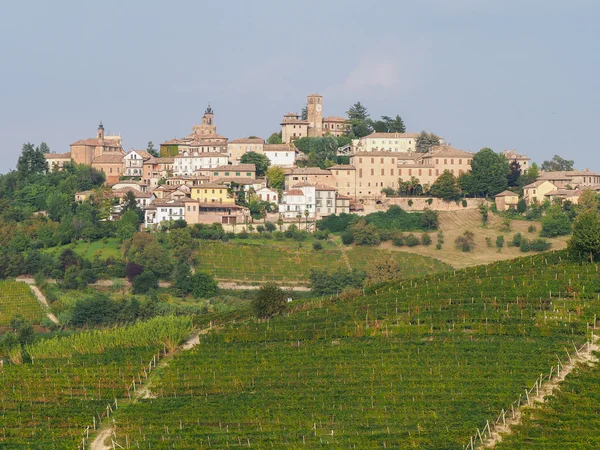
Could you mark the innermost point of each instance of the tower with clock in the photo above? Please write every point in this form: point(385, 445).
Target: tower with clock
point(315, 115)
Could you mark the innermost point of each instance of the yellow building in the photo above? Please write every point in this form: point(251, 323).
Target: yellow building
point(506, 200)
point(212, 193)
point(536, 192)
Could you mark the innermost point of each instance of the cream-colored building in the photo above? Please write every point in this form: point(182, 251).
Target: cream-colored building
point(56, 161)
point(191, 163)
point(336, 126)
point(310, 175)
point(523, 160)
point(390, 142)
point(573, 179)
point(563, 195)
point(536, 191)
point(238, 147)
point(444, 157)
point(506, 200)
point(233, 171)
point(156, 169)
point(293, 128)
point(133, 163)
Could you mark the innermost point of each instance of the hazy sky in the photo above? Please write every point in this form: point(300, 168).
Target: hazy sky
point(502, 74)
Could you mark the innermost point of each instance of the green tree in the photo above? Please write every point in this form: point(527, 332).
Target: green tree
point(269, 300)
point(304, 113)
point(446, 187)
point(130, 204)
point(555, 223)
point(394, 125)
point(144, 282)
point(275, 177)
point(43, 148)
point(31, 161)
point(514, 173)
point(359, 118)
point(557, 163)
point(489, 173)
point(275, 138)
point(182, 278)
point(425, 141)
point(586, 235)
point(529, 176)
point(127, 225)
point(260, 161)
point(150, 149)
point(204, 285)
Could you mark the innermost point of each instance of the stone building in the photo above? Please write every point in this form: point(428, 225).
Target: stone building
point(238, 147)
point(293, 128)
point(111, 164)
point(523, 160)
point(86, 150)
point(56, 161)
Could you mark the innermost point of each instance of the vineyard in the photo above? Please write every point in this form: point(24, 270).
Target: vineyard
point(253, 263)
point(17, 298)
point(569, 419)
point(71, 381)
point(421, 363)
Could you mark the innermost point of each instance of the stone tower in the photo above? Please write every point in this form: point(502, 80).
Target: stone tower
point(101, 131)
point(315, 115)
point(207, 126)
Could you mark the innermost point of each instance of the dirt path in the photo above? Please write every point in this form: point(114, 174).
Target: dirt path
point(583, 357)
point(250, 287)
point(105, 431)
point(39, 295)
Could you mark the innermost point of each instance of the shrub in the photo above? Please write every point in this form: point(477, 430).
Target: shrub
point(365, 233)
point(324, 283)
point(500, 241)
point(336, 223)
point(260, 229)
point(411, 240)
point(270, 227)
point(321, 235)
point(532, 229)
point(483, 211)
point(317, 245)
point(410, 202)
point(144, 282)
point(488, 241)
point(204, 285)
point(440, 237)
point(429, 201)
point(347, 237)
point(555, 223)
point(464, 203)
point(535, 245)
point(269, 300)
point(516, 240)
point(243, 234)
point(465, 242)
point(505, 224)
point(438, 246)
point(521, 206)
point(425, 239)
point(132, 270)
point(278, 235)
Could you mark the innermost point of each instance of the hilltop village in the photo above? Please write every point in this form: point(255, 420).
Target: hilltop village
point(206, 178)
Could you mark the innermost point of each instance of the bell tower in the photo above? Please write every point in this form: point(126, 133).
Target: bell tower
point(101, 131)
point(315, 115)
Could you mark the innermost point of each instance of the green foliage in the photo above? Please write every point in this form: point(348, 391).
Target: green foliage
point(585, 242)
point(425, 239)
point(275, 138)
point(489, 173)
point(332, 283)
point(556, 164)
point(555, 223)
point(336, 223)
point(516, 240)
point(411, 240)
point(514, 173)
point(531, 229)
point(32, 161)
point(483, 211)
point(275, 177)
point(269, 301)
point(204, 285)
point(445, 187)
point(466, 242)
point(317, 245)
point(127, 225)
point(270, 227)
point(365, 233)
point(144, 282)
point(521, 206)
point(535, 245)
point(321, 151)
point(261, 162)
point(425, 141)
point(488, 241)
point(359, 118)
point(500, 241)
point(347, 237)
point(389, 125)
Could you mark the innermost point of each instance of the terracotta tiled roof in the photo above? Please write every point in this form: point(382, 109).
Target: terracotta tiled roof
point(376, 153)
point(247, 141)
point(565, 193)
point(308, 171)
point(568, 174)
point(108, 158)
point(335, 119)
point(294, 192)
point(323, 187)
point(173, 142)
point(236, 168)
point(57, 155)
point(143, 153)
point(97, 142)
point(537, 183)
point(377, 135)
point(343, 167)
point(277, 148)
point(202, 155)
point(213, 185)
point(246, 181)
point(507, 193)
point(447, 151)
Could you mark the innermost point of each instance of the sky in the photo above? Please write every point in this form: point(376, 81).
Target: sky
point(501, 74)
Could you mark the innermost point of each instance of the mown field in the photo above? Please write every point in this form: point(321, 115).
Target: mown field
point(420, 364)
point(57, 388)
point(17, 298)
point(287, 263)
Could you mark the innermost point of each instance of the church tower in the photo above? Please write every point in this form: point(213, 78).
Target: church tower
point(101, 131)
point(315, 115)
point(207, 126)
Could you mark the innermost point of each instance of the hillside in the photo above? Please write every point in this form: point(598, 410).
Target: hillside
point(455, 223)
point(421, 364)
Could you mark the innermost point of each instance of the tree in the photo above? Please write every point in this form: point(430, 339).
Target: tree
point(204, 285)
point(269, 300)
point(555, 223)
point(529, 176)
point(445, 187)
point(182, 278)
point(514, 173)
point(425, 141)
point(364, 233)
point(557, 163)
point(150, 149)
point(260, 161)
point(275, 177)
point(31, 161)
point(144, 282)
point(130, 204)
point(489, 173)
point(359, 118)
point(384, 269)
point(43, 148)
point(324, 283)
point(394, 125)
point(275, 138)
point(586, 235)
point(304, 113)
point(127, 225)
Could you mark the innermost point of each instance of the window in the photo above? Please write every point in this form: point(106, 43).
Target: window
point(248, 174)
point(452, 161)
point(216, 174)
point(360, 160)
point(437, 161)
point(445, 161)
point(381, 161)
point(420, 172)
point(226, 174)
point(429, 172)
point(372, 160)
point(409, 172)
point(400, 172)
point(437, 172)
point(382, 172)
point(392, 172)
point(460, 161)
point(372, 172)
point(359, 173)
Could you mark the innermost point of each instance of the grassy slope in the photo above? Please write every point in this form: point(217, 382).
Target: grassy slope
point(455, 223)
point(420, 365)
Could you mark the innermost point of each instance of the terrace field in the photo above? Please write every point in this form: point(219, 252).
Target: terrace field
point(420, 363)
point(257, 261)
point(17, 298)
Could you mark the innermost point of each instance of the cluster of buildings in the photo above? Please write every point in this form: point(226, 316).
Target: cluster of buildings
point(198, 177)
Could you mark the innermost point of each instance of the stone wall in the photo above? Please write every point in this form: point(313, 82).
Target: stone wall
point(437, 204)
